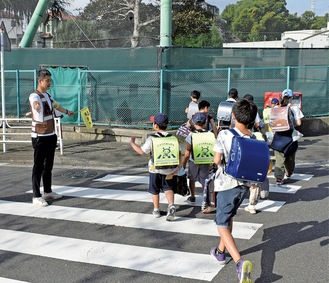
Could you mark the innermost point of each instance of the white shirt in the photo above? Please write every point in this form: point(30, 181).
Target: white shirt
point(192, 108)
point(297, 112)
point(223, 146)
point(38, 116)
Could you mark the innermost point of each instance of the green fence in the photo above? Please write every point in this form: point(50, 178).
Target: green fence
point(128, 98)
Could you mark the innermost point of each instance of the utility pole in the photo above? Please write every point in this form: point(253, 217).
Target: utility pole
point(34, 23)
point(166, 23)
point(313, 6)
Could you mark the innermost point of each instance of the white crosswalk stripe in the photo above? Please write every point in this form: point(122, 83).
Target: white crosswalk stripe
point(143, 196)
point(296, 176)
point(289, 189)
point(7, 280)
point(109, 254)
point(150, 259)
point(185, 225)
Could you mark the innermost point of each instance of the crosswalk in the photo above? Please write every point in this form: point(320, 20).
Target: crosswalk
point(154, 260)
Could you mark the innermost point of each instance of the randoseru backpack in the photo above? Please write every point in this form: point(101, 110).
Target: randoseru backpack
point(224, 113)
point(248, 160)
point(281, 119)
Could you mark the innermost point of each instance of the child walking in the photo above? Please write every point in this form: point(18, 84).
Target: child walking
point(201, 145)
point(192, 107)
point(231, 192)
point(161, 179)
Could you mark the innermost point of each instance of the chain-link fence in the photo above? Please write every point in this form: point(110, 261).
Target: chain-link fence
point(128, 98)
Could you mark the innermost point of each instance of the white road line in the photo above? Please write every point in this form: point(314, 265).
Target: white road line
point(7, 280)
point(124, 195)
point(285, 189)
point(289, 189)
point(296, 176)
point(159, 261)
point(241, 230)
point(265, 205)
point(129, 179)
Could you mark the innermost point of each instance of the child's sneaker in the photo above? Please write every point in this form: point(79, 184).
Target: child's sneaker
point(39, 201)
point(156, 213)
point(287, 176)
point(207, 210)
point(264, 194)
point(251, 209)
point(191, 200)
point(244, 269)
point(279, 181)
point(221, 257)
point(51, 195)
point(171, 213)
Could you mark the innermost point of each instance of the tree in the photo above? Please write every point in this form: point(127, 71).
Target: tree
point(252, 19)
point(24, 9)
point(192, 25)
point(267, 19)
point(210, 39)
point(309, 20)
point(137, 20)
point(320, 22)
point(129, 17)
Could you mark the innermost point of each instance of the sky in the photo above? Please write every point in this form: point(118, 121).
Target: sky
point(321, 7)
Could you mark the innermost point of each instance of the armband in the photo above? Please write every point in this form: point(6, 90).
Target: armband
point(67, 112)
point(55, 104)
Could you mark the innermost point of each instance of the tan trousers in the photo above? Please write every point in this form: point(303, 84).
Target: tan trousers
point(283, 164)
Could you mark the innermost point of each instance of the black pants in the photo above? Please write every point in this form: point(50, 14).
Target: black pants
point(44, 154)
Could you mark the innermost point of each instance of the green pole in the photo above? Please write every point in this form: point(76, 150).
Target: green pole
point(166, 23)
point(34, 23)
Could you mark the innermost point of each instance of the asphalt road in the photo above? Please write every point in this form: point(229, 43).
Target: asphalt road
point(288, 242)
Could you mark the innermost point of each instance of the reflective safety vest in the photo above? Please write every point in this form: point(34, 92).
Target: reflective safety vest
point(46, 126)
point(267, 115)
point(165, 151)
point(203, 147)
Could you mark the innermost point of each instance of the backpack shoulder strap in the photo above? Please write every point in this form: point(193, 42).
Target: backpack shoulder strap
point(234, 132)
point(160, 135)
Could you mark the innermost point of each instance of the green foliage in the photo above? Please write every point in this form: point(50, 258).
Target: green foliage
point(191, 23)
point(210, 39)
point(254, 20)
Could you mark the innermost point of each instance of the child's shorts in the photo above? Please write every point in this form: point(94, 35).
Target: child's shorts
point(158, 183)
point(228, 203)
point(198, 172)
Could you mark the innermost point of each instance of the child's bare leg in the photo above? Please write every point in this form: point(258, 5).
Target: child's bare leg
point(156, 201)
point(227, 242)
point(170, 196)
point(192, 188)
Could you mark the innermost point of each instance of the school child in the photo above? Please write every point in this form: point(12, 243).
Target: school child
point(161, 179)
point(256, 124)
point(231, 192)
point(274, 102)
point(210, 125)
point(285, 161)
point(198, 172)
point(193, 105)
point(226, 106)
